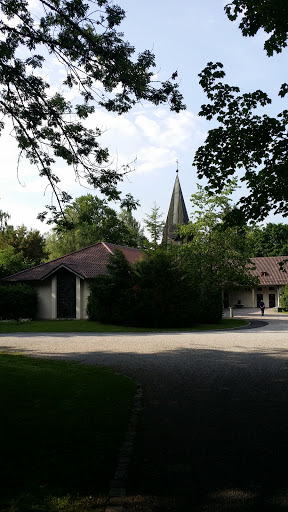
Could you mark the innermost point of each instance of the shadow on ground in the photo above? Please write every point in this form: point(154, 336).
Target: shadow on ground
point(212, 435)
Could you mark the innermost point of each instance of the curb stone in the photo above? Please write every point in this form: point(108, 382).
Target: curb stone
point(119, 482)
point(252, 324)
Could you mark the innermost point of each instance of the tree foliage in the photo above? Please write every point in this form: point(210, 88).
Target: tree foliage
point(11, 262)
point(217, 252)
point(271, 15)
point(269, 240)
point(284, 297)
point(4, 217)
point(156, 291)
point(109, 300)
point(95, 61)
point(154, 225)
point(20, 247)
point(134, 227)
point(179, 285)
point(89, 220)
point(17, 301)
point(27, 242)
point(247, 139)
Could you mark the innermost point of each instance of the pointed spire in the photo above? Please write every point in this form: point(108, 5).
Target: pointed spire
point(177, 213)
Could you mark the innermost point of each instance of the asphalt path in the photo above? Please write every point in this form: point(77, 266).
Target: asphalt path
point(213, 432)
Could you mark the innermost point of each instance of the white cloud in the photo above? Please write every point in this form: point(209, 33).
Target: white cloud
point(149, 131)
point(154, 136)
point(151, 158)
point(149, 127)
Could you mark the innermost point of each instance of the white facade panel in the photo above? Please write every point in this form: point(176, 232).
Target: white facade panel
point(44, 309)
point(248, 297)
point(241, 296)
point(85, 292)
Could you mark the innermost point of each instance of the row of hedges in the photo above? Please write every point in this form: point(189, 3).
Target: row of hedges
point(157, 292)
point(284, 298)
point(17, 301)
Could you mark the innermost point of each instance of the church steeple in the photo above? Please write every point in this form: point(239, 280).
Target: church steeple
point(177, 214)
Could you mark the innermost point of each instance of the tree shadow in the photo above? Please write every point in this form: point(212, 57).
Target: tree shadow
point(251, 325)
point(212, 434)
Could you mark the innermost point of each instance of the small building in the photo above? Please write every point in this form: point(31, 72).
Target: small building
point(271, 280)
point(63, 284)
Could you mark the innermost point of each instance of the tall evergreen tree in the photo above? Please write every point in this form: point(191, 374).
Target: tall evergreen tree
point(4, 217)
point(154, 225)
point(134, 227)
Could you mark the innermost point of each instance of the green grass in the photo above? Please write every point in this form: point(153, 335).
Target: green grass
point(61, 427)
point(89, 326)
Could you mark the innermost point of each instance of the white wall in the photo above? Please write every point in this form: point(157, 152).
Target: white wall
point(248, 296)
point(47, 300)
point(85, 292)
point(244, 295)
point(44, 299)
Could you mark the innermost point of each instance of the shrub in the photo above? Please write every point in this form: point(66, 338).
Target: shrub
point(156, 292)
point(209, 303)
point(284, 298)
point(162, 294)
point(17, 301)
point(109, 297)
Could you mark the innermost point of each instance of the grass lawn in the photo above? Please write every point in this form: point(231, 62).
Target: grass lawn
point(89, 326)
point(61, 427)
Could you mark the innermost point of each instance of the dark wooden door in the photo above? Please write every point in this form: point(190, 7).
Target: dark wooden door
point(271, 300)
point(66, 294)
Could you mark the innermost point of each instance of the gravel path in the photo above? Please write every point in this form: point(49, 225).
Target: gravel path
point(213, 431)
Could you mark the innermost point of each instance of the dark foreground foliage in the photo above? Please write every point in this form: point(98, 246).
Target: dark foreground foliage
point(94, 56)
point(158, 291)
point(245, 135)
point(17, 301)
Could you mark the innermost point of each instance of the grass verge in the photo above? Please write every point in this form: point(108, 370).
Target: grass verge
point(89, 326)
point(61, 426)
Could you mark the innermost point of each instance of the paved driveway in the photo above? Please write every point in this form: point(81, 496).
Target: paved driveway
point(213, 434)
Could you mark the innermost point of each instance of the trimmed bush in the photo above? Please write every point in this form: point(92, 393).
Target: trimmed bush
point(284, 298)
point(210, 305)
point(155, 292)
point(110, 300)
point(17, 301)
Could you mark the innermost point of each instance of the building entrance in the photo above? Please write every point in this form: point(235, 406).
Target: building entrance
point(66, 294)
point(271, 300)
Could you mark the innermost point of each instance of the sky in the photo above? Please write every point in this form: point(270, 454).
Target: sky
point(184, 36)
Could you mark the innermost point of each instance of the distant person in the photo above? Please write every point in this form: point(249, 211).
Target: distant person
point(262, 307)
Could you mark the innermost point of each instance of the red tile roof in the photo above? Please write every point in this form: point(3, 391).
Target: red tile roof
point(268, 270)
point(86, 263)
point(92, 261)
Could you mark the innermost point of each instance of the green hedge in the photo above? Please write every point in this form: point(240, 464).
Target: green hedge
point(17, 301)
point(284, 298)
point(155, 292)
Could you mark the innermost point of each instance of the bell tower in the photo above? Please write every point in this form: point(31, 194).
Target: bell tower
point(177, 214)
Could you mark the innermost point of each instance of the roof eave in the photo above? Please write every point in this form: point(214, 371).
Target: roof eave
point(62, 266)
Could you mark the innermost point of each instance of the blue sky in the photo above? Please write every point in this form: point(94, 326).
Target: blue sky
point(184, 36)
